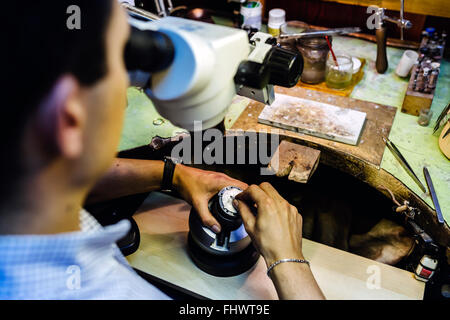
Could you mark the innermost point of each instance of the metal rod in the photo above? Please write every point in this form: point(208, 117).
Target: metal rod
point(170, 6)
point(441, 117)
point(402, 8)
point(317, 33)
point(433, 195)
point(140, 12)
point(396, 153)
point(161, 8)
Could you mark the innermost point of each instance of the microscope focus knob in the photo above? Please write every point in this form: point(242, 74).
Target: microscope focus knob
point(252, 74)
point(285, 66)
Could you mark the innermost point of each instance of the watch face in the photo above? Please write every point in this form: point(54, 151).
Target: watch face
point(226, 197)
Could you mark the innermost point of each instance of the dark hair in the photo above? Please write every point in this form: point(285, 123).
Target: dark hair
point(40, 48)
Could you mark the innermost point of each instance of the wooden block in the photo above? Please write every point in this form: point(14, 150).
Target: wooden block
point(415, 101)
point(314, 118)
point(297, 161)
point(370, 147)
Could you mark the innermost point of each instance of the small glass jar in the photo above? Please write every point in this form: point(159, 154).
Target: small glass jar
point(339, 76)
point(314, 52)
point(424, 117)
point(288, 44)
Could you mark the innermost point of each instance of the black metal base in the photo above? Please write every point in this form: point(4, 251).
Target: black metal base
point(111, 212)
point(222, 266)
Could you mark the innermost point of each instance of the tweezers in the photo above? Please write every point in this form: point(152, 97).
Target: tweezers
point(404, 163)
point(433, 195)
point(441, 116)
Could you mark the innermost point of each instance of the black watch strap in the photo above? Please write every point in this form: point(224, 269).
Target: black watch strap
point(169, 170)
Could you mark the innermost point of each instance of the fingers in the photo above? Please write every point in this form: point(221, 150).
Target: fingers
point(206, 216)
point(235, 183)
point(265, 196)
point(271, 191)
point(247, 216)
point(253, 194)
point(240, 184)
point(226, 181)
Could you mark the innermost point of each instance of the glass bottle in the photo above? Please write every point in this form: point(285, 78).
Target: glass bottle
point(314, 52)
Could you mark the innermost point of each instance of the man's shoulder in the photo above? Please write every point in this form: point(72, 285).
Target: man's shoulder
point(88, 223)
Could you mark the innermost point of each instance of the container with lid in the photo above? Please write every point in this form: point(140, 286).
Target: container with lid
point(251, 13)
point(277, 17)
point(314, 52)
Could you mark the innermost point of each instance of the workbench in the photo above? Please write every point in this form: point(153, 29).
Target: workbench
point(418, 145)
point(162, 253)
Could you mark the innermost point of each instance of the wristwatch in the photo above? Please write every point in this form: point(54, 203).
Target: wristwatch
point(169, 170)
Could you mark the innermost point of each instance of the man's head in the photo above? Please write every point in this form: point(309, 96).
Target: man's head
point(65, 92)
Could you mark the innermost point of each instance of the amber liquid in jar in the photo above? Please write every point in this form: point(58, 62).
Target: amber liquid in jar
point(339, 76)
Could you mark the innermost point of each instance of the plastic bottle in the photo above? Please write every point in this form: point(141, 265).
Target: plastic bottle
point(277, 17)
point(251, 13)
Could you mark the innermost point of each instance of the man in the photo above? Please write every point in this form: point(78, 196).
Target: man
point(61, 125)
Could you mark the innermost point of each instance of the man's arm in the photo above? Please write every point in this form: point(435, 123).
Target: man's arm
point(131, 176)
point(295, 281)
point(276, 232)
point(127, 177)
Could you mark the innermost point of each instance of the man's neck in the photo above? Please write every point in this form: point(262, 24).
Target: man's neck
point(43, 206)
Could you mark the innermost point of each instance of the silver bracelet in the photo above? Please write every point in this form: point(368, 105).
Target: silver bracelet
point(285, 260)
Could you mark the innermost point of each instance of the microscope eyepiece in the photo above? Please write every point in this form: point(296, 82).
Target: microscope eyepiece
point(148, 51)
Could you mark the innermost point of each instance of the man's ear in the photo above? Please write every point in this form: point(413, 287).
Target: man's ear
point(61, 118)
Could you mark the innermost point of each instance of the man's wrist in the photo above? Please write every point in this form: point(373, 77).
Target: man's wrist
point(178, 176)
point(290, 261)
point(272, 259)
point(167, 182)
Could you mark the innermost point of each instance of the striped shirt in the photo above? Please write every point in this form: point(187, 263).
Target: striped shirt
point(86, 264)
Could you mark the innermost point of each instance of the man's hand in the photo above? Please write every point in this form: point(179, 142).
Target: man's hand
point(276, 230)
point(197, 187)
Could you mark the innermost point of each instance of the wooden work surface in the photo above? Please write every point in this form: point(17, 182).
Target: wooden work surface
point(370, 147)
point(163, 223)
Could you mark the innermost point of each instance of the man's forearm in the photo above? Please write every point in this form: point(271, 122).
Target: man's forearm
point(127, 177)
point(295, 281)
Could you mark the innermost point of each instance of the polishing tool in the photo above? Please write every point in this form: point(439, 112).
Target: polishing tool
point(229, 252)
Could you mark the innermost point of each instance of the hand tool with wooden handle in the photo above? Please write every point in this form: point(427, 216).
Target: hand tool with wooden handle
point(382, 62)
